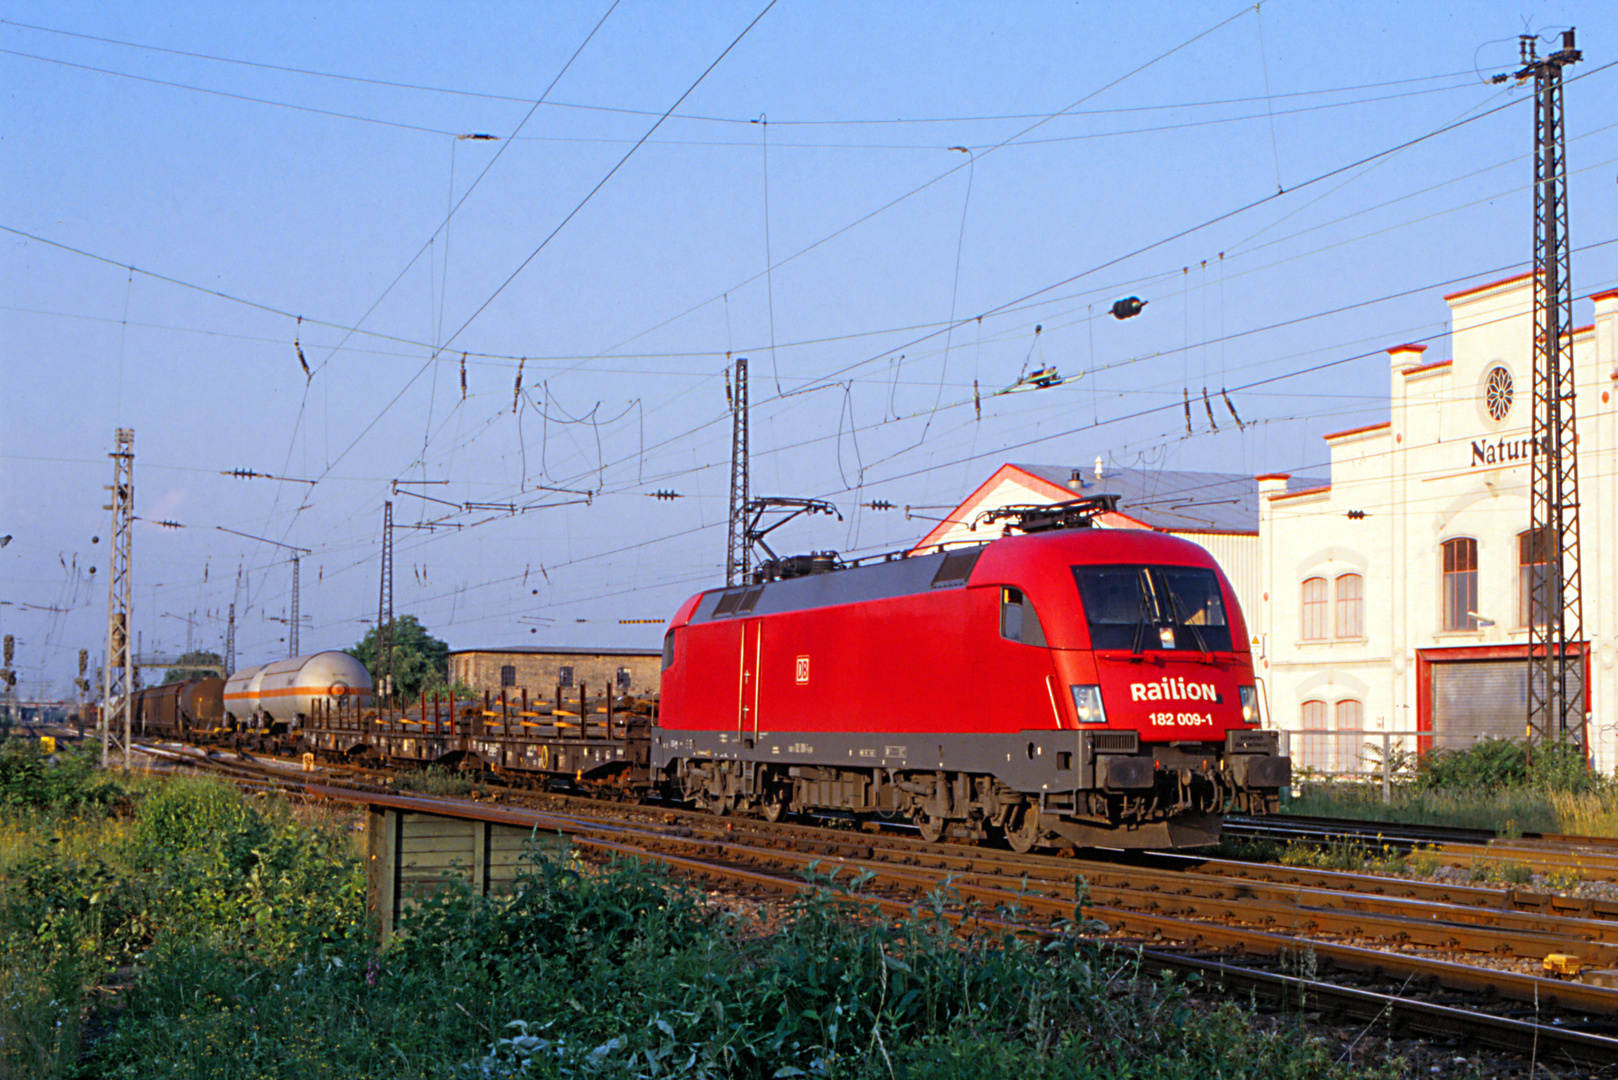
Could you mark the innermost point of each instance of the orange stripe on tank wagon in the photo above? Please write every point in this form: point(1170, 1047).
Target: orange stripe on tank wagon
point(289, 691)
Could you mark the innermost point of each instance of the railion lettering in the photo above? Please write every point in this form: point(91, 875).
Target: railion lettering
point(1173, 689)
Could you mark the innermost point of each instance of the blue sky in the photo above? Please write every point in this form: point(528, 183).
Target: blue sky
point(1110, 150)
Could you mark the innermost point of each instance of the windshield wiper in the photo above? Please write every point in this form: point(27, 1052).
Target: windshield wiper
point(1180, 617)
point(1143, 617)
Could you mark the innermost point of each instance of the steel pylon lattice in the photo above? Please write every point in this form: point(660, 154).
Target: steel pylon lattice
point(737, 546)
point(118, 674)
point(292, 630)
point(384, 612)
point(1557, 695)
point(230, 641)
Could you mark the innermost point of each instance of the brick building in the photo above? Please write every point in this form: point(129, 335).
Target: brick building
point(540, 669)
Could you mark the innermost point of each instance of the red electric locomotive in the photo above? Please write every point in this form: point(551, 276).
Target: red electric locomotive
point(1069, 685)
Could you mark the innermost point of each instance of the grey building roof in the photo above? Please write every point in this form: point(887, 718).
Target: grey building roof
point(559, 650)
point(1169, 500)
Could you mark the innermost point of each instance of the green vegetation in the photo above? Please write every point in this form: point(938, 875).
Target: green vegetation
point(184, 669)
point(179, 929)
point(1497, 784)
point(420, 661)
point(435, 780)
point(1351, 855)
point(99, 879)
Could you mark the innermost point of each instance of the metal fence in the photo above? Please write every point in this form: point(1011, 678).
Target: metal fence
point(1360, 752)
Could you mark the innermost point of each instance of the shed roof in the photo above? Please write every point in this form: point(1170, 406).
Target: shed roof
point(1171, 500)
point(558, 650)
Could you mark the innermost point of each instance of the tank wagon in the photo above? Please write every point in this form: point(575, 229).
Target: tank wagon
point(281, 695)
point(1069, 685)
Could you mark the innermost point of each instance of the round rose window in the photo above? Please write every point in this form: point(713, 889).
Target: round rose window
point(1497, 393)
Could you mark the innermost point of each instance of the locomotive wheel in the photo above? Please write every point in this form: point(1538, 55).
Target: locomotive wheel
point(774, 807)
point(932, 828)
point(1024, 834)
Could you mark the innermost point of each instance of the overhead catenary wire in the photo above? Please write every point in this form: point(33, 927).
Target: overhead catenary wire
point(597, 107)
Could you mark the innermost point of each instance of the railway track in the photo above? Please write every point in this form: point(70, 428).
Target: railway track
point(1249, 927)
point(1542, 853)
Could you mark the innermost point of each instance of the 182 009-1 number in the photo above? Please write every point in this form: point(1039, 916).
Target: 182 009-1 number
point(1183, 719)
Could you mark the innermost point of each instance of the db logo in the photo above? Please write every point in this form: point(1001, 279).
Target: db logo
point(803, 669)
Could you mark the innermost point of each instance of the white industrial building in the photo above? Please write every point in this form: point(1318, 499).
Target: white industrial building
point(1395, 597)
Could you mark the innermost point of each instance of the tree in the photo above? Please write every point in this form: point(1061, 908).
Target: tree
point(420, 661)
point(183, 668)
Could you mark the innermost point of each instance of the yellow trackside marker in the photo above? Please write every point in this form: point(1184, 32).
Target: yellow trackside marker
point(47, 745)
point(1562, 964)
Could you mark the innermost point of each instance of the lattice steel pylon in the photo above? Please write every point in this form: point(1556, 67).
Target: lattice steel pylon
point(292, 630)
point(118, 674)
point(1557, 697)
point(384, 612)
point(737, 548)
point(230, 641)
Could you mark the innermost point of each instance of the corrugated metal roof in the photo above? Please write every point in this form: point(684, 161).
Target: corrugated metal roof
point(559, 650)
point(1171, 500)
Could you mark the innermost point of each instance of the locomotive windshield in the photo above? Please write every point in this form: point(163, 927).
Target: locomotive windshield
point(1153, 607)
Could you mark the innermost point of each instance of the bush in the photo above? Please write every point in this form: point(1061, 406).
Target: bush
point(66, 782)
point(1492, 764)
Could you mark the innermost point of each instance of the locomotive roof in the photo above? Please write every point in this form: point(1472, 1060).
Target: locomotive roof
point(950, 569)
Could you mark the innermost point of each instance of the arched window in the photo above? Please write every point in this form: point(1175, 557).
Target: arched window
point(1460, 583)
point(1314, 609)
point(1350, 607)
point(1533, 551)
point(1350, 735)
point(1314, 746)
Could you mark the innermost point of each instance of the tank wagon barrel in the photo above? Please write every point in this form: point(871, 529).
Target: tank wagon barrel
point(280, 696)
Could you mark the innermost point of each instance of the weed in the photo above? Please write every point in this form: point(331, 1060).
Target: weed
point(1424, 861)
point(1563, 880)
point(1500, 871)
point(1344, 854)
point(435, 780)
point(1245, 849)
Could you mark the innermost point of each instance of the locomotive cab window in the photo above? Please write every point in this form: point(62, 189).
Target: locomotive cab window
point(1154, 607)
point(1018, 621)
point(668, 650)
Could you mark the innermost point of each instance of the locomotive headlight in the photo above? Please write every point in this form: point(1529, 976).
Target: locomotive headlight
point(1249, 704)
point(1087, 702)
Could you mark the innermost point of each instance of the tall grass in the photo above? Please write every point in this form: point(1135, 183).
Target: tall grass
point(1495, 785)
point(234, 932)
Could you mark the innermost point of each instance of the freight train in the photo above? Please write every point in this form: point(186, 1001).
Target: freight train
point(1060, 686)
